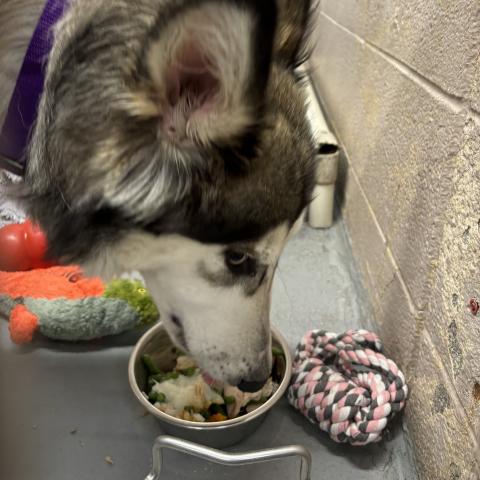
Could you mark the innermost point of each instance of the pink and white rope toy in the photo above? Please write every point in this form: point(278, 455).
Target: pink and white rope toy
point(345, 385)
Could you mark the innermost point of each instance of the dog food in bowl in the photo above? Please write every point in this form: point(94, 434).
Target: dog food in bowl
point(187, 394)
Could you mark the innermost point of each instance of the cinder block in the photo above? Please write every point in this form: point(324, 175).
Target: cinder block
point(402, 142)
point(453, 327)
point(445, 445)
point(396, 319)
point(438, 39)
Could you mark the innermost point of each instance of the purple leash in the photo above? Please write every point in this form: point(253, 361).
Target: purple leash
point(22, 110)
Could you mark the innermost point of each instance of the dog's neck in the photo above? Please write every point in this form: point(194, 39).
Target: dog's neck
point(22, 109)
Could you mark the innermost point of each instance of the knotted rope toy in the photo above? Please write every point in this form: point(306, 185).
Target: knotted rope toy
point(346, 385)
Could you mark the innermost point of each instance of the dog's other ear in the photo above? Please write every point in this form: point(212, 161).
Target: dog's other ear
point(292, 31)
point(209, 62)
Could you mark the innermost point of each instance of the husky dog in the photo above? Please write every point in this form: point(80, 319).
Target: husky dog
point(172, 139)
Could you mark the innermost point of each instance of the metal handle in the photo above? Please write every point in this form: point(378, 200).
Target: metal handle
point(230, 459)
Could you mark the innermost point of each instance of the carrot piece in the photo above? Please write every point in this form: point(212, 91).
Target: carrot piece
point(217, 417)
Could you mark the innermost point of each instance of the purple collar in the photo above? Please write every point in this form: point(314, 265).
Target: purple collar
point(22, 110)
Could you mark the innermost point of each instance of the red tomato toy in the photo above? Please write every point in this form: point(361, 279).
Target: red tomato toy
point(22, 247)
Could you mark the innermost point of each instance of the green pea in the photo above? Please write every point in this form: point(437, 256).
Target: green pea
point(277, 352)
point(171, 376)
point(157, 397)
point(229, 400)
point(150, 364)
point(152, 397)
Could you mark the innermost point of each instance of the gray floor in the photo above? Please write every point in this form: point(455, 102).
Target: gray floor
point(63, 408)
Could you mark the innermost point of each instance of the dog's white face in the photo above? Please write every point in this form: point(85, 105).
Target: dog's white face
point(214, 300)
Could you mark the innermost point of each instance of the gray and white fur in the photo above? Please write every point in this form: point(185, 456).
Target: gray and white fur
point(172, 139)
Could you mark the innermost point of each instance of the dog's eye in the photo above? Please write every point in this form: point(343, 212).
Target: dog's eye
point(240, 263)
point(235, 258)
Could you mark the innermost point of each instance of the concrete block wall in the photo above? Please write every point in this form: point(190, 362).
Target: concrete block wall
point(400, 80)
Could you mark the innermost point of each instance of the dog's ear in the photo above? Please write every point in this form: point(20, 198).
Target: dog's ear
point(209, 64)
point(294, 16)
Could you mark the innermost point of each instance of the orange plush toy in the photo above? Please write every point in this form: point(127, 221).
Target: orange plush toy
point(63, 304)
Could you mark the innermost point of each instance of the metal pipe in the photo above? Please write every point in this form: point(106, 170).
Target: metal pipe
point(320, 212)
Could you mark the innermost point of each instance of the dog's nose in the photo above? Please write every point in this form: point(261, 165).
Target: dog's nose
point(251, 387)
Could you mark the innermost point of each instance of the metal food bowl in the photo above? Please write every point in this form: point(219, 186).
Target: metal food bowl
point(157, 343)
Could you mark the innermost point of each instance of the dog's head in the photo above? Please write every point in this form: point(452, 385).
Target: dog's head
point(172, 139)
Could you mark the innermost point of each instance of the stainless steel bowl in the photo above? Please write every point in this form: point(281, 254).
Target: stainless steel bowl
point(156, 343)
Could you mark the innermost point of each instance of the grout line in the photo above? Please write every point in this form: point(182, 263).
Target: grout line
point(457, 104)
